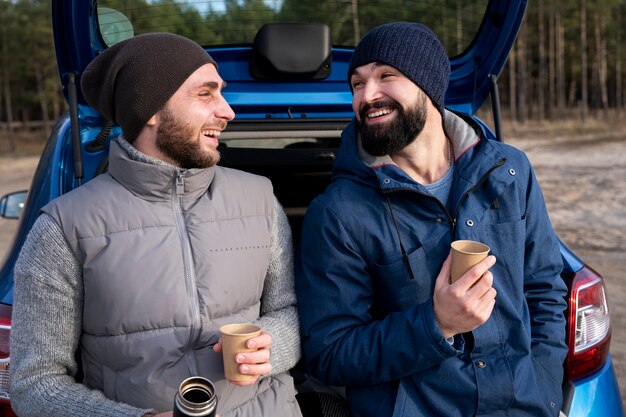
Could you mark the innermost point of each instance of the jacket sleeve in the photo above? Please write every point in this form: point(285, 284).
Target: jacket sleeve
point(279, 315)
point(544, 288)
point(45, 332)
point(343, 343)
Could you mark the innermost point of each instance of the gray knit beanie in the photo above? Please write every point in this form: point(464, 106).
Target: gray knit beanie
point(413, 49)
point(132, 80)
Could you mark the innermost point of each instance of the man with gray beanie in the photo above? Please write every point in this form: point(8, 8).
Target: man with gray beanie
point(137, 269)
point(379, 313)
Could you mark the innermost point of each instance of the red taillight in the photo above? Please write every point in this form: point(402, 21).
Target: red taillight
point(588, 327)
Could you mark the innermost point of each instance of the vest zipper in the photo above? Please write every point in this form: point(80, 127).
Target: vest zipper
point(190, 274)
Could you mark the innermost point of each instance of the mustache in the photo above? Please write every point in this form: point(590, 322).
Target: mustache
point(221, 125)
point(391, 104)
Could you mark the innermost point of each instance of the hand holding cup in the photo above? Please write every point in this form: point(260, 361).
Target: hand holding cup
point(467, 303)
point(246, 352)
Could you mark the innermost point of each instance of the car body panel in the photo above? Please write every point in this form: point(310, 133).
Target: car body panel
point(589, 398)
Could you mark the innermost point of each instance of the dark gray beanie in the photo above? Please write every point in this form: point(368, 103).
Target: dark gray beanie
point(132, 80)
point(413, 49)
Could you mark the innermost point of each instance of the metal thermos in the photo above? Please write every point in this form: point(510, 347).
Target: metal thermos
point(195, 398)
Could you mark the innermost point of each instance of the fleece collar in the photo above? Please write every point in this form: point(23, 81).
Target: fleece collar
point(462, 136)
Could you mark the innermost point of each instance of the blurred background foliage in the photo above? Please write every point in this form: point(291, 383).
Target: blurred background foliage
point(568, 60)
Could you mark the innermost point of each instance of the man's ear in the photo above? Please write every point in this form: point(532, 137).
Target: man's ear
point(152, 121)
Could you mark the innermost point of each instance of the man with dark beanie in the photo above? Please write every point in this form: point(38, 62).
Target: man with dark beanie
point(378, 312)
point(138, 268)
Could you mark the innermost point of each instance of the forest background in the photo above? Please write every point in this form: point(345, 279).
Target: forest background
point(567, 63)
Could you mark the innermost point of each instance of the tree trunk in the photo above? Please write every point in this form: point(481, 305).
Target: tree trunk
point(43, 103)
point(513, 85)
point(7, 88)
point(541, 82)
point(459, 27)
point(355, 21)
point(583, 60)
point(551, 64)
point(2, 126)
point(561, 94)
point(619, 102)
point(601, 64)
point(522, 72)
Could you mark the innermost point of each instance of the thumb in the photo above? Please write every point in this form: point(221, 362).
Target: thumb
point(218, 346)
point(444, 275)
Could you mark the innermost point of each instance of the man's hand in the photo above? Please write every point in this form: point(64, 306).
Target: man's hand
point(463, 306)
point(252, 363)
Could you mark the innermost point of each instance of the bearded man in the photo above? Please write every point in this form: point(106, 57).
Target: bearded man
point(139, 268)
point(377, 310)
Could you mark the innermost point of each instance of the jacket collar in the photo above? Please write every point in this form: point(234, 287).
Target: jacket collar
point(153, 179)
point(355, 163)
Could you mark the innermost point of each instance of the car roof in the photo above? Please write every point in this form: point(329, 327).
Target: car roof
point(83, 29)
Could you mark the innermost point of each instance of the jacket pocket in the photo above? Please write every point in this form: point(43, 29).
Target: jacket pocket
point(395, 290)
point(508, 243)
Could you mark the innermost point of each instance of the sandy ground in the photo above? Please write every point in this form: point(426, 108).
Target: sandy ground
point(583, 176)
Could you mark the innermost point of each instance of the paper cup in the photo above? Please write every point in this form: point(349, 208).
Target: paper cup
point(234, 337)
point(466, 254)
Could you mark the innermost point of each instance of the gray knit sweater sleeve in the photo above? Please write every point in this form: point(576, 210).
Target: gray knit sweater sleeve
point(279, 315)
point(45, 331)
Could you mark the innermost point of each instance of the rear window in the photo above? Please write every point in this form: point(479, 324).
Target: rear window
point(237, 21)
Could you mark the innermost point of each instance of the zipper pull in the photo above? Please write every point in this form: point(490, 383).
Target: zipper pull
point(180, 184)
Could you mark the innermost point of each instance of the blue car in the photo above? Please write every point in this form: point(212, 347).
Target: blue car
point(287, 84)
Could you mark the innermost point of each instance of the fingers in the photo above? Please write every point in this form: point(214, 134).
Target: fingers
point(253, 363)
point(261, 341)
point(256, 357)
point(256, 362)
point(259, 369)
point(218, 346)
point(471, 277)
point(466, 304)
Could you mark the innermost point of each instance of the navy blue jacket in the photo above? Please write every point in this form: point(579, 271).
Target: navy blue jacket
point(366, 311)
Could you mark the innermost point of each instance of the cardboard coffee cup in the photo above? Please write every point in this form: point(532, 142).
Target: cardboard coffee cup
point(234, 337)
point(466, 254)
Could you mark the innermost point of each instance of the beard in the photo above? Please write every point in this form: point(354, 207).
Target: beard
point(393, 136)
point(179, 142)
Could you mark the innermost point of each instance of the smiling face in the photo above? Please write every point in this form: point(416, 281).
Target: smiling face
point(390, 109)
point(190, 124)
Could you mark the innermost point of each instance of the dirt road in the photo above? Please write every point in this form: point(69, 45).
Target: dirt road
point(583, 175)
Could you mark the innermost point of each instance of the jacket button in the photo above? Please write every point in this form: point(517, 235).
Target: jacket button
point(386, 180)
point(511, 171)
point(481, 364)
point(470, 223)
point(438, 220)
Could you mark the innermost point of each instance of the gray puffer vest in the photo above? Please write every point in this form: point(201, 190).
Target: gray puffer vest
point(169, 256)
